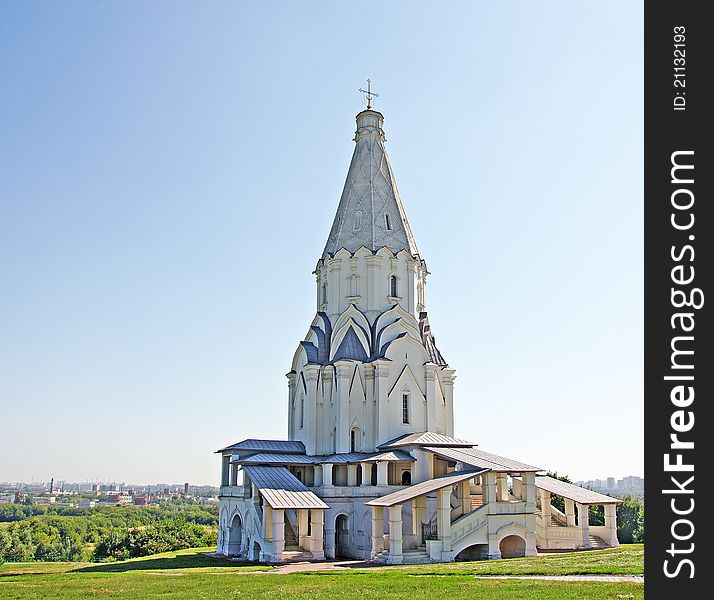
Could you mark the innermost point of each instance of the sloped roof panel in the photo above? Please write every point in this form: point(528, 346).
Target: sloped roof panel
point(478, 458)
point(281, 489)
point(573, 492)
point(424, 487)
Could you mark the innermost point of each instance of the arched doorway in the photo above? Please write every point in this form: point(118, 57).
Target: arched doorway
point(256, 552)
point(235, 535)
point(406, 478)
point(512, 546)
point(341, 536)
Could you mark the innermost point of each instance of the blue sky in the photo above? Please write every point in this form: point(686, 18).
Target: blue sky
point(169, 172)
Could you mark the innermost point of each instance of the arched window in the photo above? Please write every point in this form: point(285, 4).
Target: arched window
point(353, 284)
point(393, 286)
point(358, 220)
point(405, 408)
point(355, 440)
point(388, 221)
point(302, 411)
point(406, 478)
point(324, 293)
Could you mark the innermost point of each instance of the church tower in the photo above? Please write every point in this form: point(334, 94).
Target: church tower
point(368, 370)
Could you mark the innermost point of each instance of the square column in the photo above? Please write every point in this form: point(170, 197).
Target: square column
point(611, 525)
point(317, 530)
point(351, 475)
point(443, 517)
point(418, 517)
point(464, 496)
point(366, 473)
point(327, 474)
point(382, 472)
point(584, 524)
point(545, 507)
point(267, 523)
point(395, 535)
point(317, 475)
point(488, 487)
point(528, 491)
point(278, 532)
point(302, 523)
point(501, 487)
point(377, 530)
point(569, 513)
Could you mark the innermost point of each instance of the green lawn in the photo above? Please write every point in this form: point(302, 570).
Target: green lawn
point(190, 575)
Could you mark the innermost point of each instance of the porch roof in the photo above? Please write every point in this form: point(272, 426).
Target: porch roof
point(483, 460)
point(292, 446)
point(281, 489)
point(573, 492)
point(419, 489)
point(425, 438)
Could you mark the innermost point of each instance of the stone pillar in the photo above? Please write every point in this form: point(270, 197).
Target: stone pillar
point(518, 488)
point(292, 377)
point(327, 474)
point(423, 468)
point(584, 524)
point(528, 491)
point(488, 487)
point(381, 373)
point(448, 376)
point(267, 523)
point(317, 527)
point(317, 475)
point(395, 535)
point(366, 473)
point(418, 517)
point(226, 469)
point(234, 475)
point(501, 487)
point(611, 525)
point(545, 507)
point(330, 550)
point(464, 496)
point(278, 532)
point(344, 371)
point(443, 517)
point(351, 475)
point(431, 383)
point(312, 376)
point(569, 513)
point(302, 522)
point(382, 472)
point(377, 530)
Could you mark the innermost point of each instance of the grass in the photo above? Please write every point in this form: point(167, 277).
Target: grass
point(190, 575)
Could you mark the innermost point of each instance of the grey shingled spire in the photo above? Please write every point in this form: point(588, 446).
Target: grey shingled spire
point(370, 212)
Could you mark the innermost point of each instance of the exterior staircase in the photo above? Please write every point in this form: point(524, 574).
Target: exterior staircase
point(413, 556)
point(597, 543)
point(476, 502)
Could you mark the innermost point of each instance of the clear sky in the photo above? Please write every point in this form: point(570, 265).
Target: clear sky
point(169, 172)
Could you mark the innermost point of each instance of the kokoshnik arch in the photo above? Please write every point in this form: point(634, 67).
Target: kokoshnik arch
point(371, 468)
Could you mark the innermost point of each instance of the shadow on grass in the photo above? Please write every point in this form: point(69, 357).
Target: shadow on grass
point(182, 561)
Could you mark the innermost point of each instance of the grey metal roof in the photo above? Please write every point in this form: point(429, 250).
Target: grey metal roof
point(429, 341)
point(424, 487)
point(370, 212)
point(425, 438)
point(481, 459)
point(291, 446)
point(276, 458)
point(573, 492)
point(281, 489)
point(392, 455)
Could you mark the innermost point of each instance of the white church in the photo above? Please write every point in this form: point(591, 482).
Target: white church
point(371, 468)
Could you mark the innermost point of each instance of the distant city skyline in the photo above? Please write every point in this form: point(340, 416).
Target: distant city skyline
point(170, 173)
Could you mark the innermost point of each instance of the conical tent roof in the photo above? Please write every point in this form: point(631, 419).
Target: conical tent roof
point(370, 212)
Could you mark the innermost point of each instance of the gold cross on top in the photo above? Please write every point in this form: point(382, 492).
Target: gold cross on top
point(369, 94)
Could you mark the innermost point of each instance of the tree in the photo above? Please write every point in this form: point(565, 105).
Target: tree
point(631, 520)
